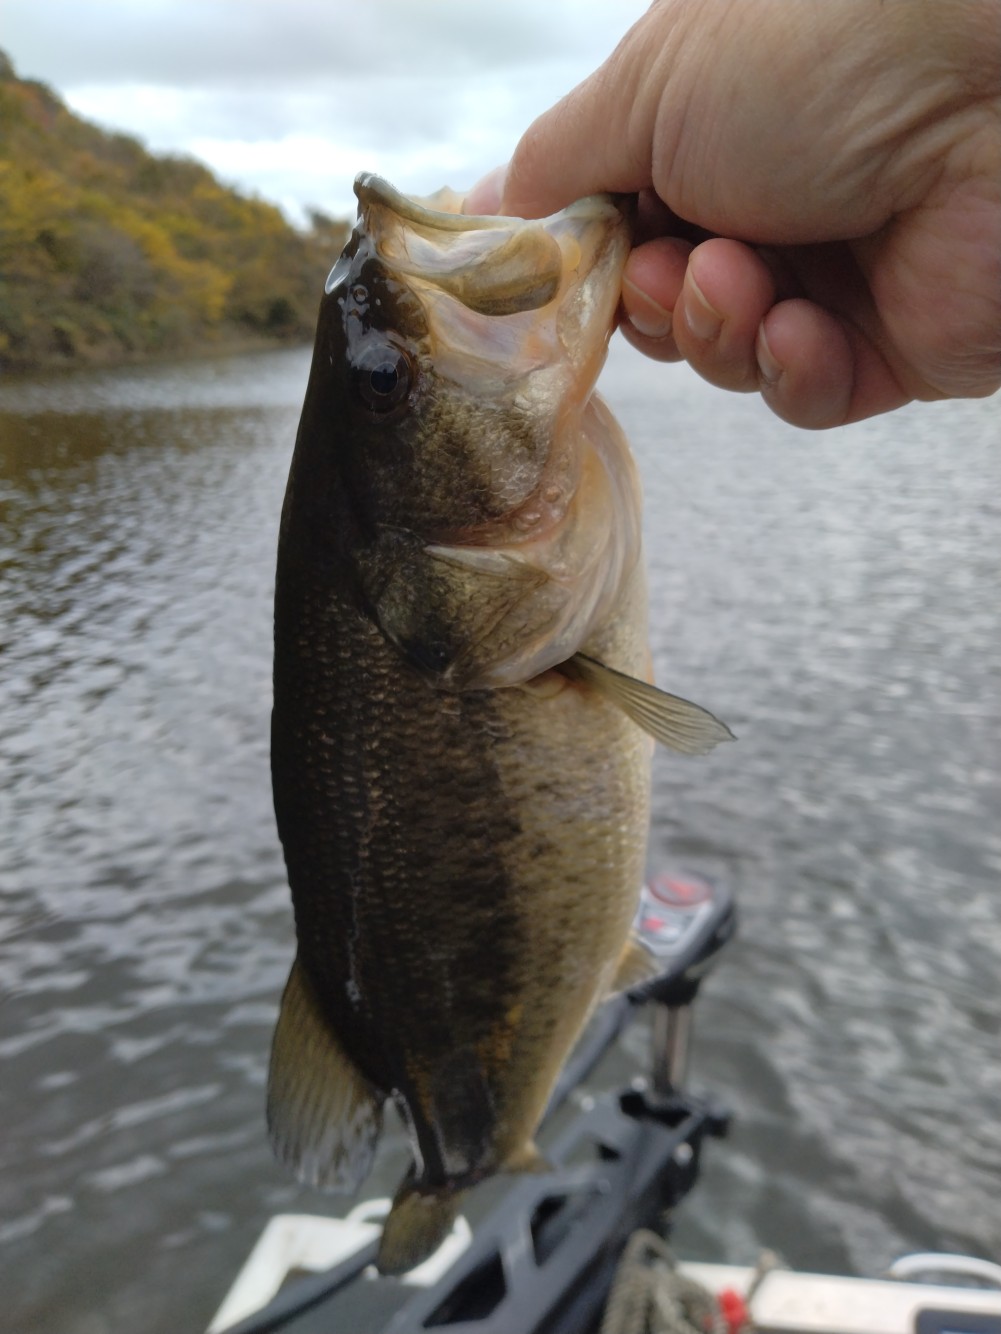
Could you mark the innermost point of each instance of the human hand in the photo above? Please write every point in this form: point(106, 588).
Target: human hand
point(819, 194)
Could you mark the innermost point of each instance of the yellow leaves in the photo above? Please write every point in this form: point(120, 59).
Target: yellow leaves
point(206, 289)
point(30, 197)
point(103, 246)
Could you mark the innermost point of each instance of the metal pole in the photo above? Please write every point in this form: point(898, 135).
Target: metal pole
point(671, 1037)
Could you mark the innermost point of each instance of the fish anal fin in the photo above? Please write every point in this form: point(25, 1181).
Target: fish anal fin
point(669, 719)
point(415, 1227)
point(636, 965)
point(324, 1117)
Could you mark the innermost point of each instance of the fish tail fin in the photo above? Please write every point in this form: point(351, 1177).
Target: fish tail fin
point(324, 1117)
point(417, 1224)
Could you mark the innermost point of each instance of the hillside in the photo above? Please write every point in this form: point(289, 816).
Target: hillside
point(108, 252)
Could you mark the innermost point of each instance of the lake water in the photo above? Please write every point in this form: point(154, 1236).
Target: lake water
point(835, 598)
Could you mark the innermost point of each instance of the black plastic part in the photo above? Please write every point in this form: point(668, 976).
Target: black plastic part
point(543, 1261)
point(956, 1322)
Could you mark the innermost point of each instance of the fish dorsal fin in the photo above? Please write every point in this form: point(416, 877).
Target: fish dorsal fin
point(674, 722)
point(323, 1115)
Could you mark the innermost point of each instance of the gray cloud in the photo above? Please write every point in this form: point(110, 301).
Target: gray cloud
point(187, 43)
point(290, 98)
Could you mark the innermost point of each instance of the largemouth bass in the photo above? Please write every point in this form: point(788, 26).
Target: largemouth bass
point(460, 748)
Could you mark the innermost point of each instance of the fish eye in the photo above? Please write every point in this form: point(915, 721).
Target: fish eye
point(383, 376)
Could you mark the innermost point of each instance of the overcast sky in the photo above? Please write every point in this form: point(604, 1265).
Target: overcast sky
point(289, 99)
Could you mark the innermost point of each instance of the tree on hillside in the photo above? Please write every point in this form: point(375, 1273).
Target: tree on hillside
point(107, 250)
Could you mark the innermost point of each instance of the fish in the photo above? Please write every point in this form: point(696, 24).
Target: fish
point(463, 700)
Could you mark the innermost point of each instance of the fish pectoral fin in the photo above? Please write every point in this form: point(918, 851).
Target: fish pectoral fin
point(528, 1158)
point(636, 965)
point(669, 719)
point(324, 1117)
point(417, 1224)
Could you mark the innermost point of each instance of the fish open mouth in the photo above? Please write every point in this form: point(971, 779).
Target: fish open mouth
point(496, 265)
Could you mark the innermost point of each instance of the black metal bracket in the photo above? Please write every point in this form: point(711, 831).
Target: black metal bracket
point(545, 1256)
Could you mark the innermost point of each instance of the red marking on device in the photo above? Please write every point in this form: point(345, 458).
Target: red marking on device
point(679, 893)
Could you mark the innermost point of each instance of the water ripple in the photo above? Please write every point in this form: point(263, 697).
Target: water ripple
point(834, 598)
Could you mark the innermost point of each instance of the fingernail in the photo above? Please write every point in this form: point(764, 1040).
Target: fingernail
point(648, 317)
point(768, 367)
point(704, 321)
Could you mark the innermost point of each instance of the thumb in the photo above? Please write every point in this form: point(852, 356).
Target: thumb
point(486, 194)
point(597, 138)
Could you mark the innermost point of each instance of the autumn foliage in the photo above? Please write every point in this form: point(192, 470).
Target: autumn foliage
point(108, 252)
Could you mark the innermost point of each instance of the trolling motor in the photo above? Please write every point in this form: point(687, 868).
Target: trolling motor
point(684, 922)
point(543, 1261)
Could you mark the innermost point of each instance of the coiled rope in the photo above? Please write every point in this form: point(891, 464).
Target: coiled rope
point(650, 1296)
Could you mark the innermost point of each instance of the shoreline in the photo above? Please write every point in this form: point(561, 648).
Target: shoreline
point(13, 371)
